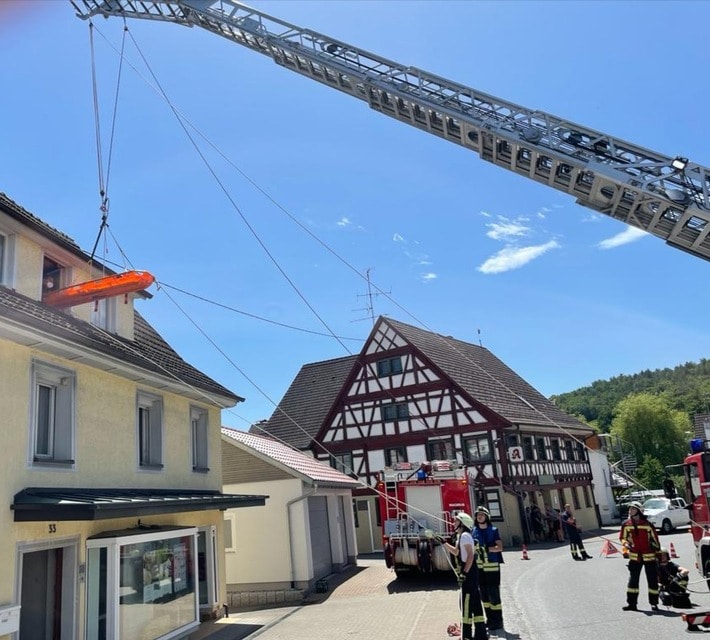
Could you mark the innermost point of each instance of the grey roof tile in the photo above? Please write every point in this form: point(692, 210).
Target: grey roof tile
point(305, 405)
point(479, 373)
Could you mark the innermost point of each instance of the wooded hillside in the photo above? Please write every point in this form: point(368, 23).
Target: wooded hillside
point(685, 388)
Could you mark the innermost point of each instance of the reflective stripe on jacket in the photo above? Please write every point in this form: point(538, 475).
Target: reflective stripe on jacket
point(641, 538)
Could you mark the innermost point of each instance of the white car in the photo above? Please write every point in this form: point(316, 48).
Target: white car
point(666, 514)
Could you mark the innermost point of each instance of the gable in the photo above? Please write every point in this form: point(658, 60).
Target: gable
point(239, 467)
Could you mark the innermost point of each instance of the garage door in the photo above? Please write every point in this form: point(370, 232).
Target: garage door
point(320, 537)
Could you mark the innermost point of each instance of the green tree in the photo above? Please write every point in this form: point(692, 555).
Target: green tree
point(650, 473)
point(652, 427)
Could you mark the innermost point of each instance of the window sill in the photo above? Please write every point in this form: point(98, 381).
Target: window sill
point(51, 462)
point(151, 467)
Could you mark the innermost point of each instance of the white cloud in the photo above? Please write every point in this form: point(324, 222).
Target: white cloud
point(397, 238)
point(428, 277)
point(630, 234)
point(506, 229)
point(344, 222)
point(515, 257)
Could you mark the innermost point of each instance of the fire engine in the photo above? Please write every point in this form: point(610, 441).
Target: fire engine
point(696, 470)
point(418, 503)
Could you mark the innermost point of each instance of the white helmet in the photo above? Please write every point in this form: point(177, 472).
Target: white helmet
point(465, 519)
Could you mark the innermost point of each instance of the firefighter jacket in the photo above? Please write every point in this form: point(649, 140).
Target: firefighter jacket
point(641, 539)
point(484, 538)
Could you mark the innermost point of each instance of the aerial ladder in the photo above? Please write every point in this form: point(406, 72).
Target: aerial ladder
point(668, 197)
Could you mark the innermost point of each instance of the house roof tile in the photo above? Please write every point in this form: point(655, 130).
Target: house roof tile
point(148, 350)
point(480, 374)
point(288, 457)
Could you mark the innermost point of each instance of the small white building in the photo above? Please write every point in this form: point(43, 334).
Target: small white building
point(305, 532)
point(603, 494)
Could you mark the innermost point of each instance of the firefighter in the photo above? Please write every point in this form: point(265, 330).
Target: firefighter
point(642, 540)
point(672, 581)
point(489, 556)
point(576, 546)
point(473, 622)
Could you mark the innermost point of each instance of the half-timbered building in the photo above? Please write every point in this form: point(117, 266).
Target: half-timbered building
point(412, 395)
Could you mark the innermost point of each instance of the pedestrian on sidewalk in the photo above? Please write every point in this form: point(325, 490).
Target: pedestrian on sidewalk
point(489, 556)
point(643, 544)
point(576, 546)
point(473, 622)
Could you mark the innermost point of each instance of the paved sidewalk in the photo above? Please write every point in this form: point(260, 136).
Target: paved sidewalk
point(366, 601)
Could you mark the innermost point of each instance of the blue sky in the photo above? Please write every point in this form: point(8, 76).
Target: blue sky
point(562, 295)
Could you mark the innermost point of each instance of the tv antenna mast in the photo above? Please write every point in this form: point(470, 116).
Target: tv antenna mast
point(370, 296)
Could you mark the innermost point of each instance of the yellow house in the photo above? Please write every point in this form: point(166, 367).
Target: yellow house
point(110, 464)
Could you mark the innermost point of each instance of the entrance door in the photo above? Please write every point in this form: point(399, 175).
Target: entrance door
point(320, 536)
point(367, 534)
point(47, 593)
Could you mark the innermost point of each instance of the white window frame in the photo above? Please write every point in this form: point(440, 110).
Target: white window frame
point(7, 259)
point(149, 431)
point(113, 547)
point(230, 525)
point(103, 314)
point(199, 439)
point(60, 423)
point(211, 567)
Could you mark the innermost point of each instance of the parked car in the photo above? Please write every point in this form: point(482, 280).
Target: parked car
point(666, 514)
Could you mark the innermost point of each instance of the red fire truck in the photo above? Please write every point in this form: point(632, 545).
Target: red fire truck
point(418, 503)
point(696, 469)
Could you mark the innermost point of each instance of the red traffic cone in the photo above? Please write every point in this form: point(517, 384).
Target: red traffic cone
point(672, 550)
point(525, 553)
point(608, 549)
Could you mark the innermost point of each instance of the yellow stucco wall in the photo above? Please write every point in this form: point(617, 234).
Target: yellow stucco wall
point(262, 552)
point(106, 456)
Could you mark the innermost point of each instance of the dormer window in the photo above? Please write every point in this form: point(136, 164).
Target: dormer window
point(52, 276)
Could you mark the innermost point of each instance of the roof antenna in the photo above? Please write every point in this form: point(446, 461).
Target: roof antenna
point(370, 308)
point(480, 344)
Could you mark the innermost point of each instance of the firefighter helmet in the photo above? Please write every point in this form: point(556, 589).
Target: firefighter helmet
point(484, 511)
point(663, 551)
point(465, 519)
point(636, 505)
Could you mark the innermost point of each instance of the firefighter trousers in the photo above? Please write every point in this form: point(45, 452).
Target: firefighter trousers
point(489, 585)
point(473, 622)
point(632, 588)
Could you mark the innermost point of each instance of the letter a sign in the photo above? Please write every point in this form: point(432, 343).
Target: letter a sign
point(515, 454)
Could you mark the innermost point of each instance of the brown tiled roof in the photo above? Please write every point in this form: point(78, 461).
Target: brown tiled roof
point(478, 373)
point(486, 378)
point(292, 459)
point(302, 410)
point(147, 350)
point(14, 210)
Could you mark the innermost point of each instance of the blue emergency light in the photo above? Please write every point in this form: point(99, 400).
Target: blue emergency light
point(696, 445)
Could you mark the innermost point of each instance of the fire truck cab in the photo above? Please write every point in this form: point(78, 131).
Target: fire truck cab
point(418, 504)
point(696, 467)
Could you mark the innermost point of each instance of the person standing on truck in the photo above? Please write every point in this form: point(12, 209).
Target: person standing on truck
point(489, 556)
point(576, 546)
point(473, 622)
point(643, 544)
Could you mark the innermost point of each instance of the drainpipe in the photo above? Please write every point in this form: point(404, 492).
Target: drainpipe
point(290, 533)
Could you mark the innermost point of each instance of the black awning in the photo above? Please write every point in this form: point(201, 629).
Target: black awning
point(47, 504)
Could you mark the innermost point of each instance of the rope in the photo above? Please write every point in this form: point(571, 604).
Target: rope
point(104, 179)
